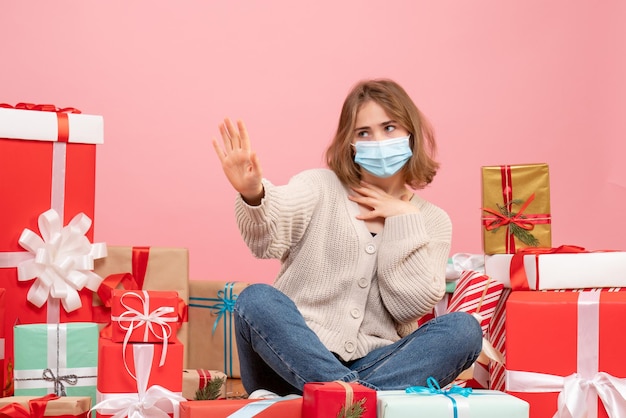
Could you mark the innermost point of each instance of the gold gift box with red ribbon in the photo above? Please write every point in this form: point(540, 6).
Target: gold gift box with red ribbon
point(515, 207)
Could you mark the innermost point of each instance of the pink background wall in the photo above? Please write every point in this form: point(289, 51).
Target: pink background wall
point(502, 82)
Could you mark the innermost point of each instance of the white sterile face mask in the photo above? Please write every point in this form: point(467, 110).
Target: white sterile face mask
point(383, 158)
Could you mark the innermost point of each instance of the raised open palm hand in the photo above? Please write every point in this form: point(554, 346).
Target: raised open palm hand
point(239, 162)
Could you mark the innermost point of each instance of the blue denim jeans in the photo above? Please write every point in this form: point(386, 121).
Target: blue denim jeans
point(279, 352)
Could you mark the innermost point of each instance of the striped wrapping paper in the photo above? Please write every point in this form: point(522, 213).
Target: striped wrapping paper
point(476, 293)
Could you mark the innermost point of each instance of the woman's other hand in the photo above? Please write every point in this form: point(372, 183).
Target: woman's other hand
point(380, 203)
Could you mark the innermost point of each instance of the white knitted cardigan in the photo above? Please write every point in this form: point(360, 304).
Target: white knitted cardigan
point(356, 291)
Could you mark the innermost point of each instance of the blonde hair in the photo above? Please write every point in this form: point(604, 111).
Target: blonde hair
point(421, 167)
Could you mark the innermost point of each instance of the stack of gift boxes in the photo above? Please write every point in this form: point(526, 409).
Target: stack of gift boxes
point(140, 358)
point(109, 330)
point(58, 288)
point(47, 162)
point(557, 321)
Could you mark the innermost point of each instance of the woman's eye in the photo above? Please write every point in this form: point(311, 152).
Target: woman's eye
point(361, 134)
point(390, 128)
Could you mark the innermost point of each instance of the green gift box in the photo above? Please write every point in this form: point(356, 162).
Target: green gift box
point(56, 358)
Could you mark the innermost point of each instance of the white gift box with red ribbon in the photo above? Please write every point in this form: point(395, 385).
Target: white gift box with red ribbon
point(547, 271)
point(44, 122)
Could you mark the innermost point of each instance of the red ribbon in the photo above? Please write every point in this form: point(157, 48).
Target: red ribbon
point(204, 377)
point(36, 408)
point(128, 281)
point(140, 258)
point(140, 264)
point(518, 277)
point(183, 310)
point(526, 222)
point(63, 134)
point(102, 314)
point(502, 220)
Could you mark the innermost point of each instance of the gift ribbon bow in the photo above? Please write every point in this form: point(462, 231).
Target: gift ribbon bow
point(40, 107)
point(62, 119)
point(153, 402)
point(433, 388)
point(62, 260)
point(579, 392)
point(59, 387)
point(152, 320)
point(36, 408)
point(501, 219)
point(226, 303)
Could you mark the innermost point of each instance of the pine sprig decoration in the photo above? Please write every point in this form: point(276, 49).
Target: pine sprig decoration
point(524, 236)
point(211, 390)
point(355, 410)
point(520, 233)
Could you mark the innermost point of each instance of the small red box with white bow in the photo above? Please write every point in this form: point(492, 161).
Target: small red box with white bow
point(144, 316)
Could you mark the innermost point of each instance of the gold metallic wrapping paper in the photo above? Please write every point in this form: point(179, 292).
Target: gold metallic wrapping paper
point(525, 180)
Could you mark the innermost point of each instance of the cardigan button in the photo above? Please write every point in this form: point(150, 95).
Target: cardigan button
point(370, 249)
point(349, 346)
point(356, 313)
point(363, 282)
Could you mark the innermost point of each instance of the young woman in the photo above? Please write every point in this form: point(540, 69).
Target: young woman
point(362, 257)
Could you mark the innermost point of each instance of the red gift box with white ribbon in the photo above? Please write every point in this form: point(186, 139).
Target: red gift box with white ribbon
point(134, 376)
point(144, 316)
point(565, 352)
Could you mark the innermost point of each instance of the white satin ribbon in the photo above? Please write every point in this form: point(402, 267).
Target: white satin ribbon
point(464, 261)
point(61, 261)
point(579, 392)
point(138, 319)
point(152, 402)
